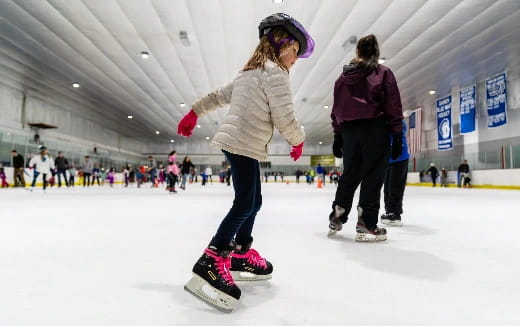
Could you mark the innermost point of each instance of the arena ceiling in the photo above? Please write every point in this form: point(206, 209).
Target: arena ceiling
point(195, 46)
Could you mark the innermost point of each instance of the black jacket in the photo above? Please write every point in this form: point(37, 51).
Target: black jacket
point(18, 161)
point(61, 163)
point(186, 166)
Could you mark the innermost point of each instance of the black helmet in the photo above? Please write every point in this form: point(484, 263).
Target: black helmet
point(293, 27)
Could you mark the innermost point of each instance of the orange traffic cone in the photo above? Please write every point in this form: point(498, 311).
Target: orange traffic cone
point(320, 183)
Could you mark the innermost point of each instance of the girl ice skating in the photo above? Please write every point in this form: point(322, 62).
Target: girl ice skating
point(260, 100)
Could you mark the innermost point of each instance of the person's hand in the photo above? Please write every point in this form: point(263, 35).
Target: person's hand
point(397, 146)
point(187, 124)
point(337, 146)
point(296, 152)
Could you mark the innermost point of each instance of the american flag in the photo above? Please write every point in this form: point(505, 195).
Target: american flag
point(415, 131)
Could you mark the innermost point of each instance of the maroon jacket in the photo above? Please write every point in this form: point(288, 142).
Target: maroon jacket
point(367, 94)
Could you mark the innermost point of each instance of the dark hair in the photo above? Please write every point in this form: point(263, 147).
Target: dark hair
point(368, 51)
point(172, 153)
point(14, 151)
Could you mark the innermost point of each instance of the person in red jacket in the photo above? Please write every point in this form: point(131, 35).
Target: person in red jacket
point(367, 106)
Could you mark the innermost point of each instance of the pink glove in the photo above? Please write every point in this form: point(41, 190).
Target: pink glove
point(296, 151)
point(187, 123)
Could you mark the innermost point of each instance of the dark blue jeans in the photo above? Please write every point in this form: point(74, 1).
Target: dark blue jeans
point(239, 221)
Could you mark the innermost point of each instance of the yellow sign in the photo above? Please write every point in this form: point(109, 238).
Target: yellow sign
point(324, 160)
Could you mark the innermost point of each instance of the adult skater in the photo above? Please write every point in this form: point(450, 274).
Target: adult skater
point(42, 164)
point(463, 168)
point(260, 100)
point(367, 105)
point(186, 167)
point(434, 173)
point(395, 182)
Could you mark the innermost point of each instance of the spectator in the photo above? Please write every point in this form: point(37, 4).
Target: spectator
point(87, 169)
point(72, 176)
point(463, 168)
point(320, 172)
point(152, 169)
point(434, 173)
point(209, 172)
point(18, 165)
point(62, 164)
point(444, 178)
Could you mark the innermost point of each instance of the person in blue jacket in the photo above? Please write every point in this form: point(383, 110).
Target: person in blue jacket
point(395, 183)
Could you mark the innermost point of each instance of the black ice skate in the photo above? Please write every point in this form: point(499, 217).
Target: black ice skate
point(336, 218)
point(248, 265)
point(391, 219)
point(366, 234)
point(212, 281)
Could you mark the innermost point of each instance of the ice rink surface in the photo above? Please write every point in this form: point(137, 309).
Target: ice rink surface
point(102, 256)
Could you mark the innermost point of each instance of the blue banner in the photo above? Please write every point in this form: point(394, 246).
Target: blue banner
point(496, 93)
point(444, 123)
point(467, 109)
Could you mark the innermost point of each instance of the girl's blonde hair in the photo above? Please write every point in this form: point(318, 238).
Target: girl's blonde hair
point(265, 51)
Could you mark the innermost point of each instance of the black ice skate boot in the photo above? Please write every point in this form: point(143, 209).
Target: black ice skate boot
point(212, 281)
point(366, 234)
point(337, 218)
point(391, 219)
point(248, 265)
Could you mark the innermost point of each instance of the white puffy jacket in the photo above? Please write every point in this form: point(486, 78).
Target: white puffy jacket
point(260, 100)
point(43, 165)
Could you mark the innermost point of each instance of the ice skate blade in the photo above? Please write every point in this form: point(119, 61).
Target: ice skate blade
point(205, 292)
point(392, 222)
point(247, 276)
point(366, 237)
point(331, 232)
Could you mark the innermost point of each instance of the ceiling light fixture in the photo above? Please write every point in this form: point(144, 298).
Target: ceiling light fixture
point(198, 126)
point(320, 142)
point(172, 140)
point(349, 43)
point(130, 117)
point(325, 107)
point(381, 61)
point(183, 35)
point(431, 92)
point(183, 105)
point(303, 127)
point(207, 138)
point(75, 85)
point(145, 55)
point(157, 132)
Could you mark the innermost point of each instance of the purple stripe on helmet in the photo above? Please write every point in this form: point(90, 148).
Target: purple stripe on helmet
point(310, 42)
point(278, 45)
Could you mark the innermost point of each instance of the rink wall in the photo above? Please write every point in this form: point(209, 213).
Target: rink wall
point(491, 179)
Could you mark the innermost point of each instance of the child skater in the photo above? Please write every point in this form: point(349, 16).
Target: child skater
point(43, 164)
point(3, 177)
point(173, 172)
point(111, 176)
point(72, 175)
point(260, 100)
point(367, 106)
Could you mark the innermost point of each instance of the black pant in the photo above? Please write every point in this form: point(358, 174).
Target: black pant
point(86, 179)
point(395, 182)
point(172, 180)
point(245, 172)
point(44, 178)
point(366, 146)
point(64, 173)
point(71, 181)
